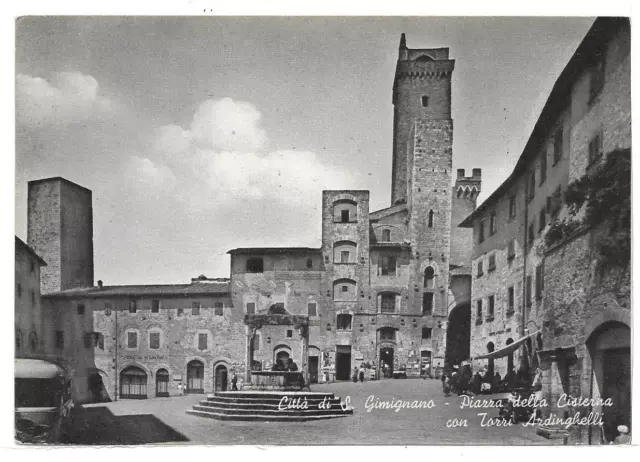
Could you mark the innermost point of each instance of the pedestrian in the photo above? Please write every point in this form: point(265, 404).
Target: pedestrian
point(234, 381)
point(623, 437)
point(354, 377)
point(361, 373)
point(181, 388)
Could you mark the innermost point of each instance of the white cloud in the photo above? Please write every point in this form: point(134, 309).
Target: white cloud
point(172, 140)
point(69, 97)
point(147, 176)
point(228, 125)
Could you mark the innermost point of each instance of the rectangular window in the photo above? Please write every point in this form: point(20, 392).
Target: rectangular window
point(155, 306)
point(512, 207)
point(32, 266)
point(539, 282)
point(542, 219)
point(532, 232)
point(180, 311)
point(256, 342)
point(154, 340)
point(387, 303)
point(543, 167)
point(425, 101)
point(202, 341)
point(195, 308)
point(312, 309)
point(511, 250)
point(132, 306)
point(289, 333)
point(80, 308)
point(218, 308)
point(557, 146)
point(556, 202)
point(19, 290)
point(597, 78)
point(344, 216)
point(251, 308)
point(132, 340)
point(510, 299)
point(87, 340)
point(426, 333)
point(343, 322)
point(595, 148)
point(492, 306)
point(344, 256)
point(492, 262)
point(480, 268)
point(427, 303)
point(481, 232)
point(479, 311)
point(345, 288)
point(107, 309)
point(532, 185)
point(388, 266)
point(492, 223)
point(528, 291)
point(59, 339)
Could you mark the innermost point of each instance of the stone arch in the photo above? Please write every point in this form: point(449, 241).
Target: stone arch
point(458, 346)
point(135, 364)
point(603, 317)
point(424, 57)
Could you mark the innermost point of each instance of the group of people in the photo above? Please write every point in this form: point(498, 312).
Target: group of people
point(462, 380)
point(358, 374)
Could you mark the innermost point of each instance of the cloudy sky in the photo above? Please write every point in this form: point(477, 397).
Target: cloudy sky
point(198, 135)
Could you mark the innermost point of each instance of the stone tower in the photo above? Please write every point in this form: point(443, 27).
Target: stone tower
point(421, 91)
point(465, 195)
point(60, 229)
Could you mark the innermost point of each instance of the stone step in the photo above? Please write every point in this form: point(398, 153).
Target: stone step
point(289, 399)
point(264, 418)
point(270, 394)
point(259, 404)
point(271, 412)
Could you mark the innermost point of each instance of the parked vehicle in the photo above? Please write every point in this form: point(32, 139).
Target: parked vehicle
point(43, 401)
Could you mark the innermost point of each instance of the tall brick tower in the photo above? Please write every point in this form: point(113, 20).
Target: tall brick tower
point(422, 177)
point(60, 229)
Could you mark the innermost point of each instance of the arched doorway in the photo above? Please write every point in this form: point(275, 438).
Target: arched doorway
point(610, 350)
point(162, 383)
point(281, 354)
point(314, 361)
point(220, 378)
point(458, 346)
point(133, 383)
point(195, 377)
point(97, 389)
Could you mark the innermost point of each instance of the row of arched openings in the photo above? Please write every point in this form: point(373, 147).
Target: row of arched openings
point(134, 380)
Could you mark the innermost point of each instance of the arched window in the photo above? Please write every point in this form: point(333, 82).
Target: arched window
point(133, 383)
point(386, 235)
point(344, 290)
point(429, 277)
point(162, 383)
point(430, 218)
point(343, 322)
point(345, 211)
point(255, 265)
point(345, 252)
point(195, 377)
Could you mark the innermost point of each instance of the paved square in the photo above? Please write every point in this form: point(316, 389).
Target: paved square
point(163, 420)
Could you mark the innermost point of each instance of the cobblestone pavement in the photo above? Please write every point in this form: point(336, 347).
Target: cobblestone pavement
point(163, 420)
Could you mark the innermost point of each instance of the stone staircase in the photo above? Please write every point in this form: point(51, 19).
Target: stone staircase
point(276, 406)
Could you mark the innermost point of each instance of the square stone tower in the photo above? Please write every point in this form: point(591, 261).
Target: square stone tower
point(60, 229)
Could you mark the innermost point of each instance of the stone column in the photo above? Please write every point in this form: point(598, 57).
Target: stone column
point(250, 331)
point(304, 360)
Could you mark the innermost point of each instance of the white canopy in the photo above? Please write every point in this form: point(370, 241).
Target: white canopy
point(507, 350)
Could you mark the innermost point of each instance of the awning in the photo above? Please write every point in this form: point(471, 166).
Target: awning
point(506, 351)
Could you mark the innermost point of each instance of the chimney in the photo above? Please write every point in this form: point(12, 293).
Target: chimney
point(100, 284)
point(477, 173)
point(460, 173)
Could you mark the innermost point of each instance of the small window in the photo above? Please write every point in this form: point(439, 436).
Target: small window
point(344, 216)
point(558, 146)
point(343, 322)
point(202, 341)
point(195, 308)
point(528, 290)
point(218, 308)
point(345, 288)
point(479, 310)
point(289, 333)
point(59, 339)
point(80, 308)
point(542, 219)
point(543, 167)
point(32, 266)
point(429, 277)
point(512, 207)
point(344, 256)
point(532, 232)
point(132, 340)
point(388, 267)
point(492, 305)
point(511, 250)
point(155, 306)
point(309, 263)
point(427, 303)
point(107, 309)
point(19, 290)
point(595, 148)
point(539, 281)
point(255, 265)
point(426, 333)
point(510, 299)
point(180, 311)
point(132, 306)
point(481, 232)
point(480, 268)
point(154, 340)
point(256, 342)
point(251, 308)
point(597, 78)
point(388, 303)
point(492, 262)
point(492, 223)
point(425, 101)
point(430, 219)
point(386, 235)
point(312, 309)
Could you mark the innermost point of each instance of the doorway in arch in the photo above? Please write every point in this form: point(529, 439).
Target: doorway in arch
point(220, 378)
point(195, 377)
